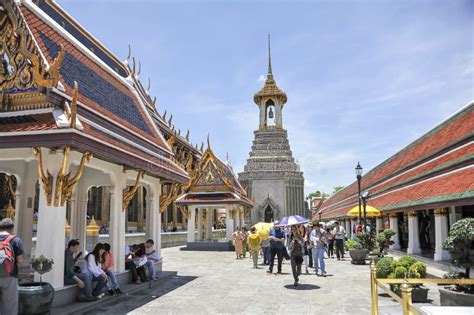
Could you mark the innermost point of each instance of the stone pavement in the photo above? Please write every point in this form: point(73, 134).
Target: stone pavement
point(216, 282)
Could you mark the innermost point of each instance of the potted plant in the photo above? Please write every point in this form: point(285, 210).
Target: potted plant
point(460, 243)
point(408, 267)
point(356, 251)
point(363, 244)
point(384, 240)
point(36, 297)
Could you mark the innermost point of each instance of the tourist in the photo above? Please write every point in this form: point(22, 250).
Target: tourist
point(339, 235)
point(296, 249)
point(244, 241)
point(83, 280)
point(254, 245)
point(308, 245)
point(266, 251)
point(93, 268)
point(238, 239)
point(330, 238)
point(318, 239)
point(152, 257)
point(277, 240)
point(108, 268)
point(11, 251)
point(135, 262)
point(306, 250)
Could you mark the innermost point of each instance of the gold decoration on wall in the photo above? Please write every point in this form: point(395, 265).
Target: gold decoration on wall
point(10, 210)
point(440, 212)
point(46, 179)
point(167, 198)
point(171, 140)
point(189, 163)
point(11, 185)
point(74, 105)
point(129, 192)
point(70, 182)
point(22, 65)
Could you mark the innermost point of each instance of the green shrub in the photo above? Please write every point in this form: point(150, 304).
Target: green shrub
point(406, 262)
point(366, 240)
point(400, 272)
point(384, 240)
point(384, 267)
point(459, 243)
point(352, 244)
point(417, 270)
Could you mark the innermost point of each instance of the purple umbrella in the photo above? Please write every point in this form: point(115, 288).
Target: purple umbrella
point(293, 220)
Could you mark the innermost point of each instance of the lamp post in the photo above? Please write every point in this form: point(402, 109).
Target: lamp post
point(364, 197)
point(358, 171)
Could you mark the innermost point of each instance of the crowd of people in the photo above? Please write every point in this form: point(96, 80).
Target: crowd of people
point(300, 244)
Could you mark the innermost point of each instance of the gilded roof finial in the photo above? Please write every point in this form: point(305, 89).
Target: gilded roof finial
point(208, 141)
point(164, 115)
point(269, 74)
point(129, 53)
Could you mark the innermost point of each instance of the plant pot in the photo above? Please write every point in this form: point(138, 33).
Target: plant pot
point(418, 294)
point(34, 297)
point(358, 256)
point(453, 298)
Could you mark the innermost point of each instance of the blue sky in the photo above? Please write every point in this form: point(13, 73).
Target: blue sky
point(363, 78)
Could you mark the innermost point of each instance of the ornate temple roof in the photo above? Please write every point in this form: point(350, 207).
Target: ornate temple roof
point(432, 171)
point(270, 88)
point(47, 54)
point(213, 182)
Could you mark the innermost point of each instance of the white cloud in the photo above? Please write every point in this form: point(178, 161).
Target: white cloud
point(261, 78)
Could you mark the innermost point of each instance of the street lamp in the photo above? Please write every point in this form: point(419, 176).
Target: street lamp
point(320, 212)
point(364, 197)
point(358, 171)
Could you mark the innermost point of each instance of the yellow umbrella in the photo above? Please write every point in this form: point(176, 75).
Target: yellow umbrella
point(263, 229)
point(371, 211)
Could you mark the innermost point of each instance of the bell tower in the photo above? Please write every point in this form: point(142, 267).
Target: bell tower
point(271, 175)
point(270, 100)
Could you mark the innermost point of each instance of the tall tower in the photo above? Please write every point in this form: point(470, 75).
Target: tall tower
point(271, 175)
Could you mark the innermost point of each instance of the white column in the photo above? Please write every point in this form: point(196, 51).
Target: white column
point(199, 223)
point(191, 223)
point(117, 221)
point(79, 214)
point(379, 224)
point(413, 234)
point(348, 228)
point(229, 224)
point(452, 216)
point(242, 217)
point(51, 223)
point(441, 232)
point(394, 226)
point(153, 215)
point(24, 209)
point(209, 224)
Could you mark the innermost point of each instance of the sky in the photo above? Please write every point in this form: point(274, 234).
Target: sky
point(363, 78)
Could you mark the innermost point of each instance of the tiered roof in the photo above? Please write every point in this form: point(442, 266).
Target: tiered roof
point(114, 121)
point(435, 170)
point(214, 182)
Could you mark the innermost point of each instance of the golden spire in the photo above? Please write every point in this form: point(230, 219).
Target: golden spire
point(269, 74)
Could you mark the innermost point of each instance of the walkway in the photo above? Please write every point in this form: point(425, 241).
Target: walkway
point(215, 282)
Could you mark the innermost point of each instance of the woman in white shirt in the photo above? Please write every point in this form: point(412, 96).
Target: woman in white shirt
point(93, 269)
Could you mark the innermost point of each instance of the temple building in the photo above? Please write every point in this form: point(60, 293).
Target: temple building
point(81, 140)
point(213, 186)
point(271, 176)
point(421, 190)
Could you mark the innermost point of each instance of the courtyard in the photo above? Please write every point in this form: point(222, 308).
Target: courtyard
point(216, 282)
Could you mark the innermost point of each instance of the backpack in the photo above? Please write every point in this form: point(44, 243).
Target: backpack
point(7, 256)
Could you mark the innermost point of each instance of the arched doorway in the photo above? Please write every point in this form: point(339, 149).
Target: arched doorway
point(268, 217)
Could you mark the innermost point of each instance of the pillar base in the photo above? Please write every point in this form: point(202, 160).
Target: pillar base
point(395, 247)
point(413, 251)
point(442, 255)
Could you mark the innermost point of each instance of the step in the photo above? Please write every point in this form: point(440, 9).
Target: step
point(82, 307)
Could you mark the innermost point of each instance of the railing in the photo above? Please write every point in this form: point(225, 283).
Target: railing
point(405, 299)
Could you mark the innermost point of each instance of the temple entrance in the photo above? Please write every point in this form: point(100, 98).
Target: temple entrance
point(268, 214)
point(7, 195)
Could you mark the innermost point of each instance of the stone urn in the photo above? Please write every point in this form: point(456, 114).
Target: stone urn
point(419, 294)
point(358, 256)
point(454, 298)
point(36, 297)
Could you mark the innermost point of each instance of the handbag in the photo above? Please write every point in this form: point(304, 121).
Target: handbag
point(285, 254)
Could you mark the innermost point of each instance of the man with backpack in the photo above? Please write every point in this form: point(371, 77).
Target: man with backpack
point(11, 256)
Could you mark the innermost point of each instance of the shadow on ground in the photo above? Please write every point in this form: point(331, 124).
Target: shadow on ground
point(128, 302)
point(302, 287)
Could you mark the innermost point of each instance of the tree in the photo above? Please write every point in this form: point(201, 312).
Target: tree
point(337, 189)
point(317, 194)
